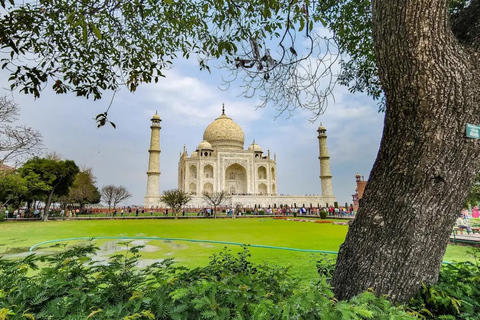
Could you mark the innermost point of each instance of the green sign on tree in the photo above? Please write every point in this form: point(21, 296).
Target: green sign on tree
point(473, 131)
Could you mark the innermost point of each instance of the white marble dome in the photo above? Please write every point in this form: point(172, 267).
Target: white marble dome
point(204, 145)
point(224, 133)
point(255, 147)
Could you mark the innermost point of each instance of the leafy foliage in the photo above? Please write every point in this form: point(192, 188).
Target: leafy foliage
point(70, 285)
point(13, 189)
point(473, 197)
point(325, 266)
point(48, 177)
point(351, 23)
point(455, 296)
point(45, 175)
point(83, 190)
point(91, 46)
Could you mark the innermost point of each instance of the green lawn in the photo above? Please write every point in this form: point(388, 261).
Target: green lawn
point(19, 236)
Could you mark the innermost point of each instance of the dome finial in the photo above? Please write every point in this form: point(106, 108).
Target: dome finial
point(223, 108)
point(156, 117)
point(255, 147)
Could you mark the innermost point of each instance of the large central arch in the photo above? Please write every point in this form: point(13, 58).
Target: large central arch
point(236, 179)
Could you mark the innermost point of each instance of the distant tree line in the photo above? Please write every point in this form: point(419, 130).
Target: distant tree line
point(53, 180)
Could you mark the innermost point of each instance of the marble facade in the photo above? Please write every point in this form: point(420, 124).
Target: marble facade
point(220, 162)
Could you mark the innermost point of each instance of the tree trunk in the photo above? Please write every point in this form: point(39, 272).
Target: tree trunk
point(47, 205)
point(425, 165)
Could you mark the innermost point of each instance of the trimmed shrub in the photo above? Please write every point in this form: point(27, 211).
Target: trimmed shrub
point(323, 214)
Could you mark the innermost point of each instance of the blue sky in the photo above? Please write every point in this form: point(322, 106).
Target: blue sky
point(188, 100)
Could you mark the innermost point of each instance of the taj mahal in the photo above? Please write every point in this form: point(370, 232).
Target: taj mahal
point(221, 163)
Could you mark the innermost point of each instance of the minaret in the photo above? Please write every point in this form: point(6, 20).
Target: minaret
point(325, 175)
point(152, 198)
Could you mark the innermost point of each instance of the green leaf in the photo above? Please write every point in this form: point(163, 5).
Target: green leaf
point(84, 33)
point(179, 293)
point(70, 17)
point(96, 31)
point(302, 25)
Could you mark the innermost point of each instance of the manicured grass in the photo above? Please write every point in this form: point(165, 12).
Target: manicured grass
point(19, 236)
point(458, 253)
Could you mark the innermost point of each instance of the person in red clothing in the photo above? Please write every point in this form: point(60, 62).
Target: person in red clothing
point(331, 210)
point(475, 212)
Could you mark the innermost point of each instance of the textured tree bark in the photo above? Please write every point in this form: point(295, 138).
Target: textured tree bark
point(425, 165)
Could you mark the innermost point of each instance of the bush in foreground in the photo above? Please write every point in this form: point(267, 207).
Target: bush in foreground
point(455, 296)
point(70, 285)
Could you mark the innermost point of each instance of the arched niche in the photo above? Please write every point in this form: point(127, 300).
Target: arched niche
point(208, 187)
point(262, 188)
point(236, 177)
point(262, 173)
point(193, 172)
point(192, 188)
point(208, 171)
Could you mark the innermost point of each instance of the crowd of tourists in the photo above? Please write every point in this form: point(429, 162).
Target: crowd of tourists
point(23, 213)
point(341, 211)
point(128, 211)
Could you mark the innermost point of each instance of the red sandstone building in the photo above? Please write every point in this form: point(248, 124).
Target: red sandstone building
point(361, 183)
point(6, 169)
